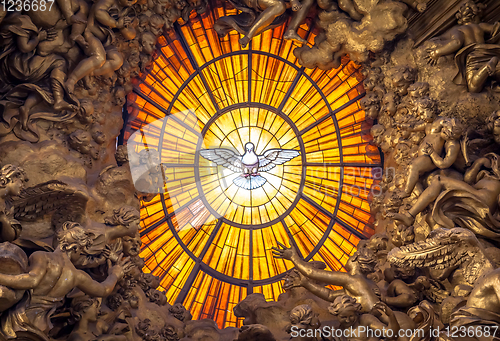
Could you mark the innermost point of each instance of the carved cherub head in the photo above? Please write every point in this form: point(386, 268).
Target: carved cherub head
point(132, 245)
point(426, 109)
point(86, 112)
point(156, 24)
point(120, 96)
point(12, 180)
point(180, 313)
point(98, 135)
point(470, 12)
point(401, 234)
point(389, 104)
point(378, 242)
point(79, 140)
point(85, 308)
point(363, 261)
point(254, 332)
point(346, 309)
point(114, 301)
point(493, 125)
point(418, 90)
point(402, 79)
point(404, 273)
point(373, 78)
point(148, 281)
point(148, 42)
point(144, 330)
point(73, 239)
point(371, 105)
point(156, 297)
point(303, 316)
point(127, 216)
point(402, 151)
point(452, 129)
point(377, 132)
point(149, 157)
point(129, 296)
point(121, 155)
point(169, 333)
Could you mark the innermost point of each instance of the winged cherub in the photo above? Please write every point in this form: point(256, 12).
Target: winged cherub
point(249, 164)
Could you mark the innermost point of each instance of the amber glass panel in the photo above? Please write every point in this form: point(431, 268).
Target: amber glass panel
point(209, 240)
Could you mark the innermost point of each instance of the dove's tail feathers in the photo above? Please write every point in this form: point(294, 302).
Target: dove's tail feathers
point(250, 182)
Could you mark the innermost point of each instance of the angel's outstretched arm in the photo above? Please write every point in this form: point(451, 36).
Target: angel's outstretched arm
point(322, 292)
point(308, 270)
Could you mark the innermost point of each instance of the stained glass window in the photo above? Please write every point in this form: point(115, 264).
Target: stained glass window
point(208, 239)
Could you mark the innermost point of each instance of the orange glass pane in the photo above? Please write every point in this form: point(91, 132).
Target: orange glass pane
point(203, 232)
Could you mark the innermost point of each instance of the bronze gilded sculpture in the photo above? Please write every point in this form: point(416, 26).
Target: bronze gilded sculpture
point(70, 218)
point(476, 46)
point(260, 15)
point(52, 276)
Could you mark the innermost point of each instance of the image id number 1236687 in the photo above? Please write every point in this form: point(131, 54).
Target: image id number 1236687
point(26, 5)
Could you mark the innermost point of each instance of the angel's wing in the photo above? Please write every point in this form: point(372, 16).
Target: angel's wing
point(274, 157)
point(67, 203)
point(223, 157)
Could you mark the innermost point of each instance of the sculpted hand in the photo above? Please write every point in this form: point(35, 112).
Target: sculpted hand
point(293, 280)
point(381, 308)
point(428, 149)
point(126, 21)
point(42, 35)
point(122, 267)
point(51, 34)
point(113, 252)
point(120, 23)
point(432, 57)
point(284, 252)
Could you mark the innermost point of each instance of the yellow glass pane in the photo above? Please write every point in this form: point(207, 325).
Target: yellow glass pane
point(198, 98)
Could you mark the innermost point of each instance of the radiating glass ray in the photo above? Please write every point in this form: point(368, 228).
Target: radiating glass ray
point(263, 240)
point(211, 298)
point(205, 234)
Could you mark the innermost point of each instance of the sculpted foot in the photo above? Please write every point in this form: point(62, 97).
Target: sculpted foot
point(70, 85)
point(292, 35)
point(81, 41)
point(63, 105)
point(492, 65)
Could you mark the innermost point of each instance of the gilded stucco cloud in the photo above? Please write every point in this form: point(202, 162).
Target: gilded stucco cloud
point(342, 35)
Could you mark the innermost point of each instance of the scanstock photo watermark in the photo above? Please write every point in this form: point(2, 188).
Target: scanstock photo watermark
point(385, 333)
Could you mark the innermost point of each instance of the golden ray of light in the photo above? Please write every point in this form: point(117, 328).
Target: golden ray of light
point(322, 207)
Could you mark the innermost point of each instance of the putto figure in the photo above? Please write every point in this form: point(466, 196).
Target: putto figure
point(477, 57)
point(12, 180)
point(249, 164)
point(258, 16)
point(50, 278)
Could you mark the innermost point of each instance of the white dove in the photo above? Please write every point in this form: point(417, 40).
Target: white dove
point(249, 164)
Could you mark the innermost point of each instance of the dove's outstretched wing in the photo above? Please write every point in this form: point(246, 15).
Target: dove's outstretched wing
point(223, 157)
point(274, 157)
